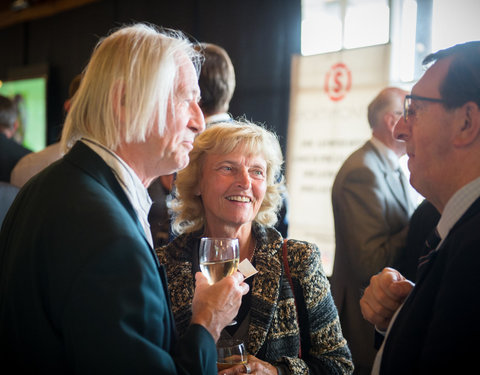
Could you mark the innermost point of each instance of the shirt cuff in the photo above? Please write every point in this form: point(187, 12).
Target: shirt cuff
point(381, 332)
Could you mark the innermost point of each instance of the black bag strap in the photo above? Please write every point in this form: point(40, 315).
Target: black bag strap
point(287, 272)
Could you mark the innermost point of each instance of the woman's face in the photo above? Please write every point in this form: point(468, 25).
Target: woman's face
point(232, 188)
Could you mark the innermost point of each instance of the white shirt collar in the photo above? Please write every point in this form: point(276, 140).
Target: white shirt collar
point(392, 158)
point(219, 117)
point(457, 205)
point(129, 181)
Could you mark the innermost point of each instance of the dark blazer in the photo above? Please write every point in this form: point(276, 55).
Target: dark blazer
point(81, 290)
point(371, 218)
point(10, 153)
point(437, 331)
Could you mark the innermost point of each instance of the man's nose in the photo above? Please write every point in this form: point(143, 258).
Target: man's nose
point(400, 130)
point(197, 121)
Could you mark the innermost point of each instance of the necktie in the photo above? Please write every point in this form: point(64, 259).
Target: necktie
point(431, 244)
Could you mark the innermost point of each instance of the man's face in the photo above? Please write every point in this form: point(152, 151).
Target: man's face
point(183, 122)
point(428, 133)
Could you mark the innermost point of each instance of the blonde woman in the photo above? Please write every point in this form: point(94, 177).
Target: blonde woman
point(230, 189)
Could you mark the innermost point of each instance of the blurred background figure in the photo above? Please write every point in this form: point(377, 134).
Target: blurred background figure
point(10, 151)
point(31, 164)
point(19, 101)
point(371, 207)
point(8, 193)
point(217, 83)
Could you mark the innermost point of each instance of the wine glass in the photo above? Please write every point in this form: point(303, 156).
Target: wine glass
point(230, 352)
point(219, 258)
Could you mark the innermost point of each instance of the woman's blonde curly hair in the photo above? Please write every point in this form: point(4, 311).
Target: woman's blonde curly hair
point(224, 138)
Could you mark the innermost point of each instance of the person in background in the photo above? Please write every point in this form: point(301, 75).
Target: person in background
point(81, 289)
point(371, 208)
point(231, 188)
point(10, 151)
point(34, 162)
point(216, 82)
point(432, 326)
point(8, 192)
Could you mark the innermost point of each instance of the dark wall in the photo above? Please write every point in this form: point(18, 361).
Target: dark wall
point(260, 37)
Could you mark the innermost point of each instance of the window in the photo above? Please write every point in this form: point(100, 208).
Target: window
point(447, 29)
point(414, 27)
point(332, 25)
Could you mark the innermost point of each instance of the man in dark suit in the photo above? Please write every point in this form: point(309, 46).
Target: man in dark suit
point(10, 151)
point(371, 211)
point(81, 290)
point(433, 325)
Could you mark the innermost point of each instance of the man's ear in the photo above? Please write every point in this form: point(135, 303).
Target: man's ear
point(10, 132)
point(468, 124)
point(389, 119)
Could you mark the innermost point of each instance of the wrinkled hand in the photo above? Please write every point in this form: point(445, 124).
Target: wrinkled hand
point(386, 292)
point(257, 367)
point(214, 306)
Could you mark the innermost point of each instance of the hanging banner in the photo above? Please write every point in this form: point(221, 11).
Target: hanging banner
point(328, 121)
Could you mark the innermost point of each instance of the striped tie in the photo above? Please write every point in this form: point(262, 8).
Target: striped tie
point(431, 244)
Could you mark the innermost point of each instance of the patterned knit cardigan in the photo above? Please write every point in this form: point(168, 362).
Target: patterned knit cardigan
point(273, 333)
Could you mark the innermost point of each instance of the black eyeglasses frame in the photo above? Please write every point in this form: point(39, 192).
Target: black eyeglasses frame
point(408, 101)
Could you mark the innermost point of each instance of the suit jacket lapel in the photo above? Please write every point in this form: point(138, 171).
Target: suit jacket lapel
point(91, 163)
point(471, 211)
point(391, 178)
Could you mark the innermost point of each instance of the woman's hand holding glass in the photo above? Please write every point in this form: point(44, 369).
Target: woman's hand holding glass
point(252, 365)
point(230, 352)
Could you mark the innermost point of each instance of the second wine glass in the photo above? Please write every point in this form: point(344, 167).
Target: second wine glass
point(230, 352)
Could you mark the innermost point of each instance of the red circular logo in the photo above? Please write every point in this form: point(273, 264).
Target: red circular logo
point(338, 82)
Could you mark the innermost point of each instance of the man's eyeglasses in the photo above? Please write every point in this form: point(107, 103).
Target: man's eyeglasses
point(408, 103)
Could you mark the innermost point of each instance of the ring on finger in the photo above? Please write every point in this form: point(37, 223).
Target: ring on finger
point(248, 369)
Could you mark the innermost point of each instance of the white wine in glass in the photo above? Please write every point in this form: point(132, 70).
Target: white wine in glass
point(218, 257)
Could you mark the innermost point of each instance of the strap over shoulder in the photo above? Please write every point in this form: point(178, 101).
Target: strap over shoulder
point(289, 277)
